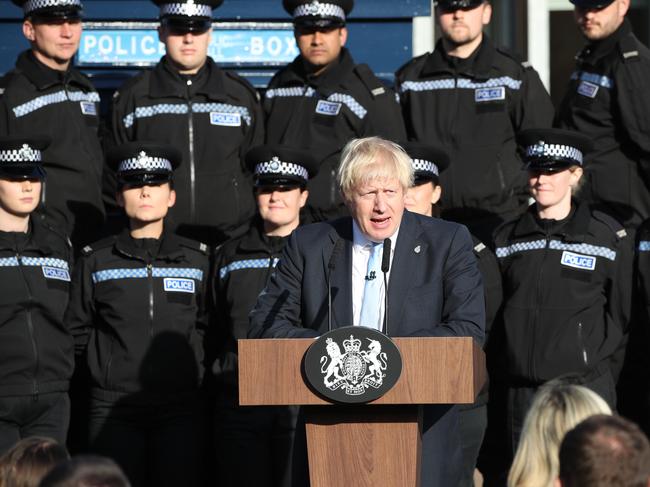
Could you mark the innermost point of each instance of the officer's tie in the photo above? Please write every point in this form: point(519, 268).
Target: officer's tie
point(371, 303)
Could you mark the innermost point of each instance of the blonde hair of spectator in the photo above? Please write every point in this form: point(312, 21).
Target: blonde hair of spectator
point(557, 408)
point(369, 159)
point(29, 460)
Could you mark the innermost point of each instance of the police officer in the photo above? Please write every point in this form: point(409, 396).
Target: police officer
point(429, 162)
point(323, 99)
point(212, 115)
point(607, 100)
point(138, 314)
point(566, 273)
point(36, 348)
point(243, 268)
point(473, 98)
point(44, 94)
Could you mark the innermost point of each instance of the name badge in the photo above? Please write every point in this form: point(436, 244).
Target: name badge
point(329, 108)
point(489, 94)
point(225, 119)
point(590, 90)
point(178, 285)
point(88, 108)
point(56, 273)
point(577, 261)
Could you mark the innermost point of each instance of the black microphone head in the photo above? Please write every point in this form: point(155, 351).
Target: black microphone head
point(385, 258)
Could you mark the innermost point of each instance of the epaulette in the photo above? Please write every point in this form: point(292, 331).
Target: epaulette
point(609, 221)
point(129, 83)
point(413, 62)
point(57, 231)
point(479, 247)
point(100, 244)
point(194, 245)
point(5, 81)
point(235, 77)
point(370, 81)
point(515, 57)
point(629, 49)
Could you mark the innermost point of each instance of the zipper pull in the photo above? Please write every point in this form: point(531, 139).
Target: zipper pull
point(149, 270)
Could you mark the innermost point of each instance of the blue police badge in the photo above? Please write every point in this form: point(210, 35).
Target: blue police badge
point(176, 285)
point(489, 94)
point(88, 108)
point(578, 261)
point(56, 273)
point(329, 108)
point(225, 119)
point(590, 90)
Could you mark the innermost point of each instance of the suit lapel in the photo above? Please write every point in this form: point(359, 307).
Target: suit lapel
point(408, 248)
point(341, 277)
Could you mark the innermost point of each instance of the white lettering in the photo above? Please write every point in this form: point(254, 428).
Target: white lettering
point(105, 43)
point(90, 43)
point(257, 46)
point(274, 46)
point(148, 46)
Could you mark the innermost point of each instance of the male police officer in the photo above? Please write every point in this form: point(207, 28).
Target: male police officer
point(322, 99)
point(472, 98)
point(45, 95)
point(607, 100)
point(213, 116)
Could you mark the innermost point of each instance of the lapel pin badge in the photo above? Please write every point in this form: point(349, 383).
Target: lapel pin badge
point(417, 249)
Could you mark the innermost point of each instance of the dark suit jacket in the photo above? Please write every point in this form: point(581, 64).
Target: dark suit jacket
point(435, 286)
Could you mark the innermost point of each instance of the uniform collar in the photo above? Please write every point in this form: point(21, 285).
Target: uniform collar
point(575, 226)
point(170, 247)
point(256, 241)
point(477, 66)
point(167, 82)
point(594, 51)
point(44, 77)
point(297, 74)
point(35, 239)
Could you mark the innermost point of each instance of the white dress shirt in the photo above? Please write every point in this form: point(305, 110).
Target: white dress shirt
point(361, 246)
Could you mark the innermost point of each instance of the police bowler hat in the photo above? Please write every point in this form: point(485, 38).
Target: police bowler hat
point(457, 4)
point(428, 161)
point(318, 13)
point(187, 15)
point(140, 163)
point(21, 157)
point(50, 10)
point(281, 166)
point(553, 149)
point(591, 3)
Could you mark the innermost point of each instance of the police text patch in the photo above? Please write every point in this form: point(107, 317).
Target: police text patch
point(88, 108)
point(489, 94)
point(56, 273)
point(178, 285)
point(577, 261)
point(330, 108)
point(590, 90)
point(225, 119)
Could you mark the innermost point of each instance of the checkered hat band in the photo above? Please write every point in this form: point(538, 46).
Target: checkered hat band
point(277, 168)
point(317, 9)
point(187, 9)
point(147, 164)
point(424, 166)
point(32, 5)
point(25, 154)
point(554, 151)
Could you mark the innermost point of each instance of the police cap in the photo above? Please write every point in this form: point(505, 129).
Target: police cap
point(22, 157)
point(318, 13)
point(281, 166)
point(187, 15)
point(50, 10)
point(457, 4)
point(553, 149)
point(140, 163)
point(428, 161)
point(591, 3)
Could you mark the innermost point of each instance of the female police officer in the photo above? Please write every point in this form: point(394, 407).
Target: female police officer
point(137, 310)
point(566, 276)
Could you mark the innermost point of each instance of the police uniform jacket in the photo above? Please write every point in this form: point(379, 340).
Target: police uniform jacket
point(607, 100)
point(243, 267)
point(137, 310)
point(566, 293)
point(35, 99)
point(324, 112)
point(35, 346)
point(214, 118)
point(474, 108)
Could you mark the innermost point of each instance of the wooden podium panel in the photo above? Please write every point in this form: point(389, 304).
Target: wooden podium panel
point(435, 371)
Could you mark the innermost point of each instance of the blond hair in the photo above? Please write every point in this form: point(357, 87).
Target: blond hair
point(372, 158)
point(557, 408)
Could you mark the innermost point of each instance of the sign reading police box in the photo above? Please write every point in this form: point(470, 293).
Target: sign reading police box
point(353, 365)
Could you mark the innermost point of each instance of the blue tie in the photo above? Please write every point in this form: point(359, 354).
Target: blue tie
point(371, 304)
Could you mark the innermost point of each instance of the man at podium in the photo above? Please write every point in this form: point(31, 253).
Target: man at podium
point(429, 270)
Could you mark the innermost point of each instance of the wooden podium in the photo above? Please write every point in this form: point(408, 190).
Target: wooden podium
point(374, 444)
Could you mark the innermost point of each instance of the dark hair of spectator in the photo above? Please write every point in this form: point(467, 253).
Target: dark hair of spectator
point(605, 451)
point(86, 471)
point(29, 460)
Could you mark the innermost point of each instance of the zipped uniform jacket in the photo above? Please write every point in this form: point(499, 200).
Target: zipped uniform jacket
point(566, 294)
point(213, 117)
point(138, 315)
point(36, 348)
point(63, 105)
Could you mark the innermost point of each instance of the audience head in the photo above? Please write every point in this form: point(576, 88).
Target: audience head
point(605, 451)
point(29, 461)
point(557, 407)
point(86, 471)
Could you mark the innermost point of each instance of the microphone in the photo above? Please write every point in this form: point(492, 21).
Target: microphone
point(331, 265)
point(385, 266)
